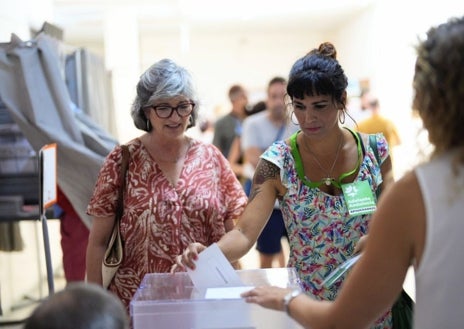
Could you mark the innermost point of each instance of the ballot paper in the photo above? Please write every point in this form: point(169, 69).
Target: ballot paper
point(226, 292)
point(213, 270)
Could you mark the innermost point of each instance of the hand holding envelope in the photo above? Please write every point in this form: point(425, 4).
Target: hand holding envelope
point(214, 273)
point(188, 257)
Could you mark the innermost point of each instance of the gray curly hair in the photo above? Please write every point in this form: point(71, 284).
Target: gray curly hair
point(164, 79)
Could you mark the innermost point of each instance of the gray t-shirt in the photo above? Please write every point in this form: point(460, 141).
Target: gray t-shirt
point(225, 130)
point(259, 131)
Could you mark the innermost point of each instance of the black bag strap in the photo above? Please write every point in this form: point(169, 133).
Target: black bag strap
point(373, 145)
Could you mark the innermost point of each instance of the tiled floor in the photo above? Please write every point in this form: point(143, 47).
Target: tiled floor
point(14, 318)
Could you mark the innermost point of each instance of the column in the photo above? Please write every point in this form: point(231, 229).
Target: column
point(121, 41)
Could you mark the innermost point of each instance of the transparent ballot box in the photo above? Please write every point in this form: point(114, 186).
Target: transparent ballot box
point(166, 301)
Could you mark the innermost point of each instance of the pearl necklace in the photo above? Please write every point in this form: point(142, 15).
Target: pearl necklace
point(328, 179)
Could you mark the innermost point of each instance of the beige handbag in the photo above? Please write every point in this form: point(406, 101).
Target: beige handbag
point(114, 250)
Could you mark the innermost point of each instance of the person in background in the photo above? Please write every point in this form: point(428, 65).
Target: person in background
point(178, 190)
point(236, 154)
point(258, 107)
point(259, 132)
point(419, 219)
point(313, 174)
point(205, 131)
point(74, 238)
point(364, 97)
point(79, 306)
point(230, 125)
point(357, 109)
point(378, 123)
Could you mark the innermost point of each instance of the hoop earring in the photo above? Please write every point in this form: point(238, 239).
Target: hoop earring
point(291, 119)
point(148, 125)
point(342, 117)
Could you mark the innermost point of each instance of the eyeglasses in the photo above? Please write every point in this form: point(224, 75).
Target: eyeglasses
point(165, 111)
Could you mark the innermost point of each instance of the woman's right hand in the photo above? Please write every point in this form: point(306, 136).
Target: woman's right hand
point(188, 257)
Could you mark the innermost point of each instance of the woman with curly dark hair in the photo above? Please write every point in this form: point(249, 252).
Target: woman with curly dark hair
point(325, 177)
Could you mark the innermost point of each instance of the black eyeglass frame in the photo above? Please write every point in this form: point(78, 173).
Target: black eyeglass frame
point(173, 108)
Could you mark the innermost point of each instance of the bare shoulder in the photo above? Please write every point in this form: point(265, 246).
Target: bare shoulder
point(407, 183)
point(402, 197)
point(402, 203)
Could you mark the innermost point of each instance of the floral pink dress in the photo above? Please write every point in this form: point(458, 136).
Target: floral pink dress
point(159, 219)
point(322, 234)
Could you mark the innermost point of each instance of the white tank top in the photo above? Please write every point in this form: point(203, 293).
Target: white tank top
point(440, 277)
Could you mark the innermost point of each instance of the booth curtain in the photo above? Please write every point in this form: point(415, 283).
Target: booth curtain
point(34, 92)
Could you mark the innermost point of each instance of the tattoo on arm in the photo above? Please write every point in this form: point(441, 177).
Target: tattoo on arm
point(264, 171)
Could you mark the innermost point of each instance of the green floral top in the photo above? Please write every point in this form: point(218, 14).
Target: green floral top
point(322, 234)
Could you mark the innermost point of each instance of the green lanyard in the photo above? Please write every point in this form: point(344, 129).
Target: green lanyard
point(299, 164)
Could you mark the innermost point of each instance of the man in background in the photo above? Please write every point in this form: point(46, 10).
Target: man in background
point(230, 125)
point(377, 123)
point(260, 130)
point(357, 109)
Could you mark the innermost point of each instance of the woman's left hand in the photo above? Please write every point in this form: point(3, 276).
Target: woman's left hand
point(267, 296)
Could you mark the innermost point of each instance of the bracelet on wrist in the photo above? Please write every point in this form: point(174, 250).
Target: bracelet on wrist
point(289, 297)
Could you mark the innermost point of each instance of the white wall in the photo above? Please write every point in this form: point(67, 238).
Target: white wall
point(376, 45)
point(218, 59)
point(22, 16)
point(379, 45)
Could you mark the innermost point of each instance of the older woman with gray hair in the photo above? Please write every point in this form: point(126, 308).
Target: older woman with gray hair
point(178, 190)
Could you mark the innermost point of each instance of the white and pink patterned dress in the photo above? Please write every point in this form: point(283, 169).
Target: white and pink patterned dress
point(322, 234)
point(159, 219)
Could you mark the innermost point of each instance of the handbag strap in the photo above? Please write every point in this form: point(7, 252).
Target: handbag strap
point(373, 145)
point(124, 166)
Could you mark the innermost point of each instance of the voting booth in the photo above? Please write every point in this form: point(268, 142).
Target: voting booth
point(171, 300)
